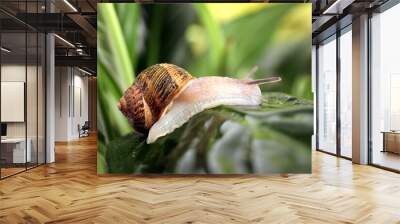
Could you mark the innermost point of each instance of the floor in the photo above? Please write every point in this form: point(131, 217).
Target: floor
point(10, 171)
point(69, 191)
point(13, 170)
point(387, 159)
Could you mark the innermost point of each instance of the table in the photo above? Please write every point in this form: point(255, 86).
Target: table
point(391, 141)
point(16, 147)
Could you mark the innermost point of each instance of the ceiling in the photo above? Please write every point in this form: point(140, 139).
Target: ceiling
point(332, 15)
point(75, 23)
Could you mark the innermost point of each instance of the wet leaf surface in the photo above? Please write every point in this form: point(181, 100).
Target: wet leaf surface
point(273, 138)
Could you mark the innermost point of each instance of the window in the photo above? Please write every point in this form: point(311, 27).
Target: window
point(327, 96)
point(385, 89)
point(346, 92)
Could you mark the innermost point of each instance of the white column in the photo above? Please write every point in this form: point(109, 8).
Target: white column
point(314, 91)
point(50, 100)
point(360, 90)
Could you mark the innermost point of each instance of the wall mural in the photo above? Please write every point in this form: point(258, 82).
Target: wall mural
point(204, 88)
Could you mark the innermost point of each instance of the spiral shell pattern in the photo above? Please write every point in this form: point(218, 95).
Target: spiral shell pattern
point(153, 91)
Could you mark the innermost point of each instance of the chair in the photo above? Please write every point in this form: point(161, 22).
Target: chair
point(84, 130)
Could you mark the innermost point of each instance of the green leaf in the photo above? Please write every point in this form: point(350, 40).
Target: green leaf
point(154, 42)
point(215, 36)
point(116, 45)
point(251, 34)
point(229, 153)
point(273, 138)
point(101, 162)
point(129, 17)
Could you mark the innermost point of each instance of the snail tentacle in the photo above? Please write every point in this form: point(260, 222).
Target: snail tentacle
point(251, 73)
point(264, 81)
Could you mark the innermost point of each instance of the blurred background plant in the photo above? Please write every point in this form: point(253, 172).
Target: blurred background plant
point(209, 39)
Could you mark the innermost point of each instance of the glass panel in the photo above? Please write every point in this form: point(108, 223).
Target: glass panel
point(13, 86)
point(345, 94)
point(385, 84)
point(32, 87)
point(31, 99)
point(22, 88)
point(327, 96)
point(41, 99)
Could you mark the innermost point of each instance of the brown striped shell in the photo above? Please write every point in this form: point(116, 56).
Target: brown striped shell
point(155, 88)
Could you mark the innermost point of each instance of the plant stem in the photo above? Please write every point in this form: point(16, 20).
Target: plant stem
point(118, 46)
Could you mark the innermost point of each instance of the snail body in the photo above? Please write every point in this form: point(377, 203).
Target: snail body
point(165, 96)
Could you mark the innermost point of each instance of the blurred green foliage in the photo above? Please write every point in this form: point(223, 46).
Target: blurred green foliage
point(274, 37)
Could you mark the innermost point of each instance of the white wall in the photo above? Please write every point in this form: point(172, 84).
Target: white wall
point(80, 88)
point(71, 94)
point(62, 81)
point(33, 127)
point(16, 73)
point(10, 73)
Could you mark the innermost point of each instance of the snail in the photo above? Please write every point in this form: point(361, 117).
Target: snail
point(165, 96)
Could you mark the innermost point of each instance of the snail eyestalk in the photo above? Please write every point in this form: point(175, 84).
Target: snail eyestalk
point(251, 73)
point(265, 81)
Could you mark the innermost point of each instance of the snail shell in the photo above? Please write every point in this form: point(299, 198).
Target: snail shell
point(165, 96)
point(155, 88)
